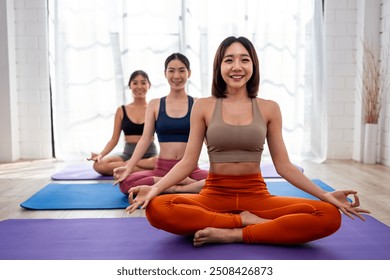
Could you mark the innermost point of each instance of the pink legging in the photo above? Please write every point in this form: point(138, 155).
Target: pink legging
point(162, 167)
point(291, 220)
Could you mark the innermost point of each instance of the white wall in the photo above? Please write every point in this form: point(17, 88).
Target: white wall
point(8, 94)
point(347, 23)
point(340, 30)
point(341, 23)
point(385, 118)
point(32, 81)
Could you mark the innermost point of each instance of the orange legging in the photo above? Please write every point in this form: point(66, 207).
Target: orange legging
point(291, 220)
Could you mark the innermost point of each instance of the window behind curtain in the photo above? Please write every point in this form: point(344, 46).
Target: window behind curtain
point(95, 45)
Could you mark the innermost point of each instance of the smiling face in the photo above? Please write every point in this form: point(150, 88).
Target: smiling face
point(177, 74)
point(139, 86)
point(235, 64)
point(236, 67)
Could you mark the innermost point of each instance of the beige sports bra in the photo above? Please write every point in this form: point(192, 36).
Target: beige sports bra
point(235, 143)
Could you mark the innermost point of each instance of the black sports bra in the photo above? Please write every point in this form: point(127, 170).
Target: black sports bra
point(129, 127)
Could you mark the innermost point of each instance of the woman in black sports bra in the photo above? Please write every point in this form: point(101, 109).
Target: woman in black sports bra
point(130, 119)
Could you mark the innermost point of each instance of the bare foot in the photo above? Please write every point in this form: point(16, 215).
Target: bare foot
point(217, 235)
point(226, 235)
point(248, 218)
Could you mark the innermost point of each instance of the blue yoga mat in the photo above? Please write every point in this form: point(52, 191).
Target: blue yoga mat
point(136, 239)
point(77, 196)
point(56, 196)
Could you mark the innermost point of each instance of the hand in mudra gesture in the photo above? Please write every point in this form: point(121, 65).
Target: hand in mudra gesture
point(120, 174)
point(95, 157)
point(140, 196)
point(340, 200)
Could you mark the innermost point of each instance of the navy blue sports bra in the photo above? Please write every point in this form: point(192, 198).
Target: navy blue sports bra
point(129, 127)
point(173, 129)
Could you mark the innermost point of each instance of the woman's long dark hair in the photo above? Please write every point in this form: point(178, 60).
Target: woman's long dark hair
point(219, 86)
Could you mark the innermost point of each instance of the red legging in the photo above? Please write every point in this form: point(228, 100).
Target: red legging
point(161, 169)
point(291, 220)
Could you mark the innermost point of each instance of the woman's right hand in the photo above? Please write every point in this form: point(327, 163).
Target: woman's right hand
point(121, 173)
point(95, 157)
point(143, 194)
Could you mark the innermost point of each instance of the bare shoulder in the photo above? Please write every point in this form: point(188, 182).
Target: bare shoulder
point(206, 100)
point(266, 102)
point(267, 105)
point(205, 103)
point(153, 107)
point(119, 111)
point(268, 108)
point(154, 103)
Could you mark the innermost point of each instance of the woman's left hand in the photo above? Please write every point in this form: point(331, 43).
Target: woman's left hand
point(340, 200)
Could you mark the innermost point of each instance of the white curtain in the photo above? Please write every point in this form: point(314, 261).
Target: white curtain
point(95, 45)
point(86, 76)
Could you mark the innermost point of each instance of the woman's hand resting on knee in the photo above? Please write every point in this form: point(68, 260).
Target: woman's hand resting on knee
point(95, 157)
point(340, 200)
point(120, 174)
point(143, 194)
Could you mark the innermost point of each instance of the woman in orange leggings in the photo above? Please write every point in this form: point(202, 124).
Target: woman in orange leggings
point(289, 220)
point(234, 204)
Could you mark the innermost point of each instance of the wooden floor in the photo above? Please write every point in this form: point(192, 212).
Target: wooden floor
point(19, 181)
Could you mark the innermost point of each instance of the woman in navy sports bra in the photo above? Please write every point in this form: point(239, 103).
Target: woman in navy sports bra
point(169, 118)
point(130, 119)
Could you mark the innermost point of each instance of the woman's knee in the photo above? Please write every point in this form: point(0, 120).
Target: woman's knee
point(332, 218)
point(134, 181)
point(100, 167)
point(124, 188)
point(154, 212)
